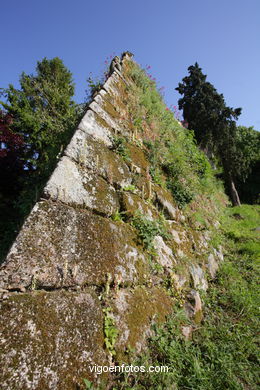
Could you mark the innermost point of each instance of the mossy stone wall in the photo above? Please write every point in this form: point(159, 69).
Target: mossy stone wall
point(78, 254)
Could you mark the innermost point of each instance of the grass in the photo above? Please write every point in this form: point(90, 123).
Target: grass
point(222, 354)
point(175, 159)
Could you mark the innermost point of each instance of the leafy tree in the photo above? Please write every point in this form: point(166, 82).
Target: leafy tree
point(248, 164)
point(205, 111)
point(43, 112)
point(42, 117)
point(248, 150)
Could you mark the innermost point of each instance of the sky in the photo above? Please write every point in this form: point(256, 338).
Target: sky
point(223, 36)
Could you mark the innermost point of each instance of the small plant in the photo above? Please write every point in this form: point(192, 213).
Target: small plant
point(177, 182)
point(110, 331)
point(117, 216)
point(129, 187)
point(138, 123)
point(119, 146)
point(94, 86)
point(181, 193)
point(156, 267)
point(88, 384)
point(148, 229)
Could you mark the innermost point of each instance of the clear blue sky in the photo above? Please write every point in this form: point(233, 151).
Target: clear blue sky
point(223, 36)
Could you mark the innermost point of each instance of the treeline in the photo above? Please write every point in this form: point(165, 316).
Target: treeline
point(38, 119)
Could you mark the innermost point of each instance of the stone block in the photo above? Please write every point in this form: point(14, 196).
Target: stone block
point(199, 278)
point(136, 309)
point(212, 266)
point(49, 339)
point(74, 185)
point(164, 256)
point(90, 153)
point(60, 246)
point(92, 126)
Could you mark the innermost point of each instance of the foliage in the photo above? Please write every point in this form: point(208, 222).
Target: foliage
point(223, 352)
point(10, 142)
point(117, 216)
point(247, 163)
point(213, 122)
point(11, 149)
point(119, 146)
point(110, 331)
point(12, 175)
point(94, 86)
point(152, 149)
point(43, 112)
point(204, 108)
point(129, 187)
point(148, 229)
point(248, 150)
point(181, 192)
point(250, 188)
point(175, 160)
point(88, 384)
point(43, 118)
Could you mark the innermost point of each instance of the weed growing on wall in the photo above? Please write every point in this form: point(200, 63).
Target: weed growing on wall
point(110, 331)
point(147, 230)
point(119, 146)
point(130, 187)
point(94, 86)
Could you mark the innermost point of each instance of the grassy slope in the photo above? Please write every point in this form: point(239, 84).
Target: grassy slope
point(222, 353)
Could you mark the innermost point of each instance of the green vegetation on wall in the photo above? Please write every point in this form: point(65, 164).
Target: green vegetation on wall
point(222, 352)
point(175, 160)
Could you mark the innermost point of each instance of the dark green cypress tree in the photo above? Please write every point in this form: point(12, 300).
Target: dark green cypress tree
point(205, 111)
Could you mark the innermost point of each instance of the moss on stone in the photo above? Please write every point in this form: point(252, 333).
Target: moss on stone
point(104, 199)
point(110, 109)
point(198, 316)
point(131, 203)
point(141, 308)
point(50, 339)
point(102, 122)
point(62, 246)
point(138, 158)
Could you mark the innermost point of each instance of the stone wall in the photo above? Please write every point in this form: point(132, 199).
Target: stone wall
point(74, 264)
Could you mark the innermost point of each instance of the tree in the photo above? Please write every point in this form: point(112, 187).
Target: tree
point(43, 112)
point(205, 111)
point(247, 163)
point(41, 118)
